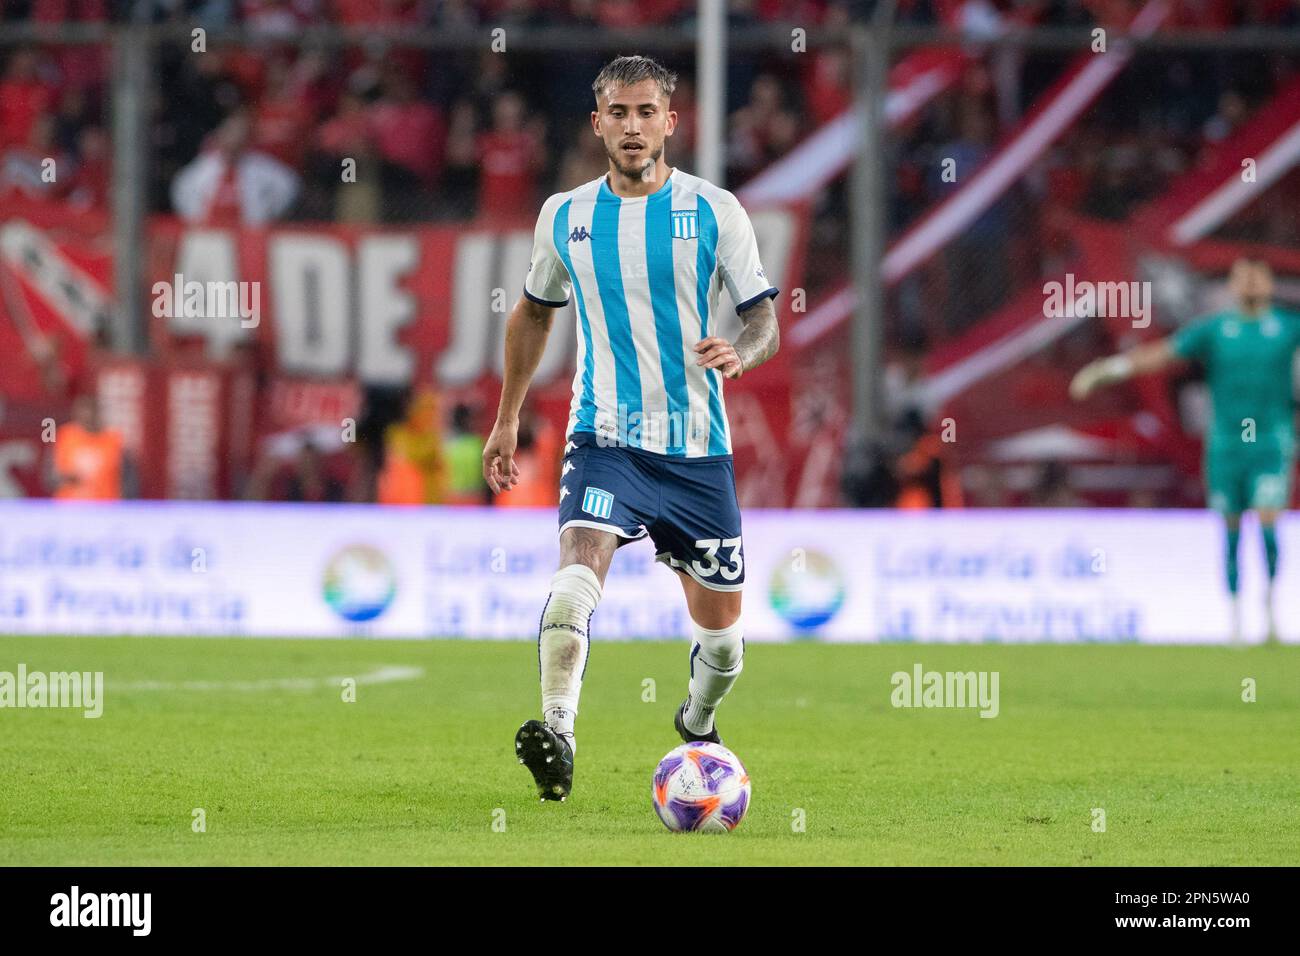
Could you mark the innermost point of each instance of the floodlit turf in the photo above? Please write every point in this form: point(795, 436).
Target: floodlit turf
point(417, 771)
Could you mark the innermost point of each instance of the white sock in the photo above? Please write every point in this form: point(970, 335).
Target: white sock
point(562, 644)
point(716, 662)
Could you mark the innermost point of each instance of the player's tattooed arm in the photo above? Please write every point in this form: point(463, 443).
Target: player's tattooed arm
point(761, 337)
point(756, 344)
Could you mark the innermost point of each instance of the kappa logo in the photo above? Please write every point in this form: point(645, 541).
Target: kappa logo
point(598, 502)
point(579, 234)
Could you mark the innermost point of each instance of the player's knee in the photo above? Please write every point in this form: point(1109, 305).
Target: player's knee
point(575, 592)
point(588, 548)
point(709, 607)
point(1267, 517)
point(721, 647)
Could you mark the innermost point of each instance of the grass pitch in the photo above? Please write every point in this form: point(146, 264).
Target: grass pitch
point(419, 768)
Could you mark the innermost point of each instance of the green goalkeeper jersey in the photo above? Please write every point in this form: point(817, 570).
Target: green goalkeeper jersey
point(1248, 369)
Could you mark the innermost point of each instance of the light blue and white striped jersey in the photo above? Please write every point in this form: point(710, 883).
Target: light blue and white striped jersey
point(648, 272)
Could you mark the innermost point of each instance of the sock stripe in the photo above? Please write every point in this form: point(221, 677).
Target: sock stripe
point(540, 621)
point(725, 671)
point(586, 657)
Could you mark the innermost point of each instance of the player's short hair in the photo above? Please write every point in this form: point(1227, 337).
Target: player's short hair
point(626, 70)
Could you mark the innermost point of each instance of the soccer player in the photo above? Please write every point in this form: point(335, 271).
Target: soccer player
point(1250, 442)
point(645, 251)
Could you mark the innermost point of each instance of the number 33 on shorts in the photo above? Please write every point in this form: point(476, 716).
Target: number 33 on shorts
point(707, 565)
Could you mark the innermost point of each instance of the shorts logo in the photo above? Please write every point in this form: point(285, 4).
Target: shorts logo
point(686, 224)
point(597, 502)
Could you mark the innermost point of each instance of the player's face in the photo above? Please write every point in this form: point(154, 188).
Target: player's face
point(1251, 283)
point(633, 121)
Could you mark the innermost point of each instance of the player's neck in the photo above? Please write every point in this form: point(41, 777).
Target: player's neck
point(1253, 310)
point(635, 187)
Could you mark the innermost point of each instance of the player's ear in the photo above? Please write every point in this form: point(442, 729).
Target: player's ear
point(595, 122)
point(671, 124)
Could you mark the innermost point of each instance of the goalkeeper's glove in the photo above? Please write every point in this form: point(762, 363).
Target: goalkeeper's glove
point(1105, 371)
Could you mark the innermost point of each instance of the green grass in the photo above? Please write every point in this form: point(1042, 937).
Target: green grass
point(412, 772)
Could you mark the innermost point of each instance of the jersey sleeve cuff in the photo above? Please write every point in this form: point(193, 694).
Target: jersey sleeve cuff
point(540, 301)
point(770, 293)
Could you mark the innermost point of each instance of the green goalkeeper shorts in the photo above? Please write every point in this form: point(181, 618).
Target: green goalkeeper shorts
point(1241, 478)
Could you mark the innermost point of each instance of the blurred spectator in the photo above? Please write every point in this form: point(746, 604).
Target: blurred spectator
point(925, 478)
point(1232, 112)
point(828, 87)
point(410, 137)
point(348, 136)
point(284, 115)
point(461, 175)
point(415, 468)
point(509, 158)
point(34, 168)
point(1117, 188)
point(867, 478)
point(381, 406)
point(1052, 487)
point(465, 460)
point(985, 487)
point(457, 14)
point(91, 179)
point(380, 13)
point(23, 98)
point(684, 136)
point(292, 468)
point(760, 130)
point(278, 18)
point(89, 461)
point(585, 160)
point(72, 116)
point(233, 184)
point(47, 352)
point(55, 11)
point(975, 260)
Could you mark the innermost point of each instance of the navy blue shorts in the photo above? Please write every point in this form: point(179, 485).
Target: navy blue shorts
point(687, 506)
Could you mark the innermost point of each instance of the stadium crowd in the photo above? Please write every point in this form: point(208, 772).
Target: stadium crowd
point(259, 133)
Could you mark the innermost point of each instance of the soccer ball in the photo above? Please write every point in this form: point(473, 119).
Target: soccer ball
point(701, 787)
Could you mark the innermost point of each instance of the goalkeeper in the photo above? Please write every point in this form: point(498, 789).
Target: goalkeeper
point(1250, 442)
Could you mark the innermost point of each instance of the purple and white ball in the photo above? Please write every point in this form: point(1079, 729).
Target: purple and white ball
point(701, 787)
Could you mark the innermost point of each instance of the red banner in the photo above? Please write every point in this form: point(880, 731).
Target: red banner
point(256, 332)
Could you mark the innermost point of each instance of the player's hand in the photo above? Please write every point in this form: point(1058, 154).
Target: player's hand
point(1085, 380)
point(499, 468)
point(719, 353)
point(1105, 371)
